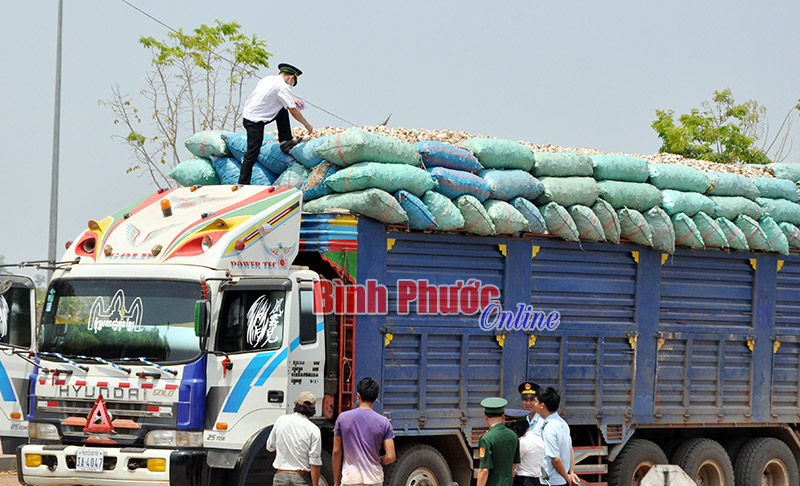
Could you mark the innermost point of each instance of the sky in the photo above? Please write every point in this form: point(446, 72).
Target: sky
point(579, 73)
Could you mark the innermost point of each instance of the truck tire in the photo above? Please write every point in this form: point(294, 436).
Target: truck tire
point(734, 446)
point(766, 461)
point(637, 457)
point(415, 463)
point(705, 461)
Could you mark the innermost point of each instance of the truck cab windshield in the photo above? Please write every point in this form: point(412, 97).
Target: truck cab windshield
point(115, 318)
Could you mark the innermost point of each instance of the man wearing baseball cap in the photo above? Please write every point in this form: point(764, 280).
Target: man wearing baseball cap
point(271, 101)
point(297, 445)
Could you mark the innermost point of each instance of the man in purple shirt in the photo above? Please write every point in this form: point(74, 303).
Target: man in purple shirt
point(359, 435)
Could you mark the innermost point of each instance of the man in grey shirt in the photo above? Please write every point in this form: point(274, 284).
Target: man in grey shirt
point(297, 445)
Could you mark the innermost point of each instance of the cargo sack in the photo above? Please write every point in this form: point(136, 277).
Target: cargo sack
point(785, 171)
point(688, 203)
point(686, 233)
point(609, 219)
point(709, 230)
point(305, 152)
point(316, 184)
point(387, 177)
point(726, 184)
point(678, 178)
point(505, 218)
point(508, 184)
point(237, 143)
point(632, 195)
point(586, 222)
point(733, 235)
point(272, 157)
point(446, 214)
point(662, 230)
point(634, 227)
point(568, 191)
point(776, 188)
point(777, 240)
point(792, 234)
point(730, 207)
point(353, 146)
point(755, 236)
point(229, 169)
point(499, 153)
point(454, 183)
point(419, 216)
point(781, 210)
point(536, 222)
point(193, 172)
point(619, 168)
point(562, 164)
point(476, 219)
point(294, 176)
point(438, 154)
point(559, 222)
point(373, 203)
point(207, 144)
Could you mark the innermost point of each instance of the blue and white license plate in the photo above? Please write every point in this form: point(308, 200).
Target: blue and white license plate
point(89, 460)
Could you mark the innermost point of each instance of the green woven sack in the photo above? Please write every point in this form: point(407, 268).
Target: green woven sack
point(710, 231)
point(776, 188)
point(634, 227)
point(476, 219)
point(562, 164)
point(792, 233)
point(732, 206)
point(633, 195)
point(781, 210)
point(194, 172)
point(568, 191)
point(505, 217)
point(756, 238)
point(559, 222)
point(686, 233)
point(373, 203)
point(352, 146)
point(688, 203)
point(777, 240)
point(619, 168)
point(207, 144)
point(444, 211)
point(609, 219)
point(678, 177)
point(785, 171)
point(661, 227)
point(294, 176)
point(388, 177)
point(586, 222)
point(499, 153)
point(733, 235)
point(727, 184)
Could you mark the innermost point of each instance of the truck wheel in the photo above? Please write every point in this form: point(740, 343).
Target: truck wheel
point(636, 459)
point(734, 446)
point(416, 463)
point(705, 461)
point(768, 462)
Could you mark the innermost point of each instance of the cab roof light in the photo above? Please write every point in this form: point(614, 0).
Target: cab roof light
point(93, 225)
point(108, 250)
point(166, 208)
point(156, 250)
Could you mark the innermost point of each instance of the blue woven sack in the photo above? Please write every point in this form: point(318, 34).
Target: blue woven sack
point(455, 183)
point(508, 184)
point(273, 158)
point(304, 152)
point(237, 143)
point(438, 154)
point(228, 170)
point(419, 217)
point(536, 223)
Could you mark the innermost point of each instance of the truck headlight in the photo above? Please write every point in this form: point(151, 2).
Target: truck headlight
point(173, 438)
point(43, 431)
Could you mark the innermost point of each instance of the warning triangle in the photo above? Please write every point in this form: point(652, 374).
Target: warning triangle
point(99, 420)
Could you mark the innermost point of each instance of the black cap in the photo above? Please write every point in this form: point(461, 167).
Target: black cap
point(528, 388)
point(289, 69)
point(516, 415)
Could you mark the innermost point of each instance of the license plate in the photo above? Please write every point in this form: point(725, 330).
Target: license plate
point(89, 460)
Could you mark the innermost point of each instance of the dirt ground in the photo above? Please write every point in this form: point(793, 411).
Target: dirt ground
point(8, 478)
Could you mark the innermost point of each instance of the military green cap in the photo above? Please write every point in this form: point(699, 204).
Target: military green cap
point(494, 405)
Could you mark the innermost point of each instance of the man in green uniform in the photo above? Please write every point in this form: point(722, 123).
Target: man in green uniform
point(499, 446)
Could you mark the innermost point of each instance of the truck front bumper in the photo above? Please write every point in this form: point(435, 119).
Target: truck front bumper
point(121, 466)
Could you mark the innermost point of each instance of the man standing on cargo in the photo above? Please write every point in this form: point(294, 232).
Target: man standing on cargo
point(297, 445)
point(499, 447)
point(272, 100)
point(557, 441)
point(528, 391)
point(358, 437)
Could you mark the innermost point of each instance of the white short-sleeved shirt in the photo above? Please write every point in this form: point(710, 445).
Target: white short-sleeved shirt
point(557, 443)
point(271, 94)
point(296, 443)
point(531, 455)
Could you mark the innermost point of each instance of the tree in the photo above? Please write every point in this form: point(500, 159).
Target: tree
point(721, 131)
point(195, 84)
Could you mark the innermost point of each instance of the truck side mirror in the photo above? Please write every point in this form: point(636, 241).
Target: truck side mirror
point(201, 313)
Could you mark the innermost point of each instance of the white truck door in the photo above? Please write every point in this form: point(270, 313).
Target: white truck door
point(306, 347)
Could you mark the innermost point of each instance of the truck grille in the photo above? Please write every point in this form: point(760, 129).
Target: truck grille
point(126, 417)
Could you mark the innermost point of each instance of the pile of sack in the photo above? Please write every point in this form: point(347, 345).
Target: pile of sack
point(493, 186)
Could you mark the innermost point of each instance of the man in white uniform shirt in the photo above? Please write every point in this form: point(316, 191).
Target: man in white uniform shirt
point(272, 100)
point(297, 445)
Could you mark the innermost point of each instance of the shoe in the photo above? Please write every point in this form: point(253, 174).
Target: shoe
point(288, 145)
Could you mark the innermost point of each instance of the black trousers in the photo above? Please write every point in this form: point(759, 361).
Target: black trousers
point(526, 481)
point(255, 137)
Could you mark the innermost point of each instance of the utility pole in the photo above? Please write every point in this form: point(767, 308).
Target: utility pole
point(51, 254)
